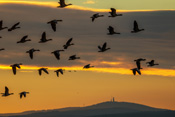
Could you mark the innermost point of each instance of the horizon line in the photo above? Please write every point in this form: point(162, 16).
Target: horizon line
point(76, 7)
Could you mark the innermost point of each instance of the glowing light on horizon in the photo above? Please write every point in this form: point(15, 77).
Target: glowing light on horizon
point(123, 71)
point(111, 63)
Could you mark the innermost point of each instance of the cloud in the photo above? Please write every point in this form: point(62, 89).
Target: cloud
point(154, 43)
point(114, 70)
point(89, 2)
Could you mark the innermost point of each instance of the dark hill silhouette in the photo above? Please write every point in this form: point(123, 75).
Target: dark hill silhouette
point(141, 114)
point(105, 109)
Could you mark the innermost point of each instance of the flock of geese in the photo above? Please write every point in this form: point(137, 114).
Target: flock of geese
point(69, 43)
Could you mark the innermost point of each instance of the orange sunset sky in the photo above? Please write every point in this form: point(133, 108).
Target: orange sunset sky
point(111, 76)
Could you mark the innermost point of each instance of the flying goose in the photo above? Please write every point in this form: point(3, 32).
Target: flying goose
point(96, 16)
point(1, 25)
point(136, 70)
point(6, 92)
point(23, 94)
point(73, 57)
point(87, 66)
point(103, 48)
point(24, 39)
point(151, 63)
point(14, 66)
point(111, 31)
point(59, 71)
point(138, 62)
point(43, 69)
point(31, 51)
point(113, 13)
point(53, 24)
point(2, 49)
point(62, 4)
point(68, 43)
point(43, 38)
point(14, 27)
point(136, 28)
point(57, 53)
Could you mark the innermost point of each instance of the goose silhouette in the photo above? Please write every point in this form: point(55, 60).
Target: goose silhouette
point(138, 62)
point(111, 31)
point(103, 48)
point(87, 66)
point(1, 25)
point(73, 57)
point(23, 94)
point(136, 28)
point(24, 39)
point(96, 16)
point(68, 43)
point(15, 26)
point(31, 51)
point(151, 63)
point(15, 66)
point(113, 13)
point(53, 24)
point(2, 49)
point(6, 92)
point(44, 70)
point(57, 53)
point(63, 4)
point(59, 71)
point(136, 70)
point(43, 38)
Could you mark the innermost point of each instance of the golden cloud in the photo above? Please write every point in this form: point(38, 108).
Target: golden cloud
point(123, 71)
point(89, 2)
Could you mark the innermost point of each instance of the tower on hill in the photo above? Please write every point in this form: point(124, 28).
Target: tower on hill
point(113, 99)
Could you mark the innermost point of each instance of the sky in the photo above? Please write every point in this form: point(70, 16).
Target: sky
point(111, 76)
point(103, 5)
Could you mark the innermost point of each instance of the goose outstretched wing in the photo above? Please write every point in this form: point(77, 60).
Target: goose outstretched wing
point(53, 25)
point(138, 64)
point(6, 90)
point(100, 47)
point(1, 22)
point(152, 62)
point(31, 54)
point(134, 72)
point(69, 41)
point(15, 25)
point(21, 94)
point(136, 25)
point(138, 71)
point(61, 71)
point(57, 55)
point(43, 38)
point(62, 3)
point(24, 38)
point(40, 72)
point(104, 46)
point(14, 70)
point(113, 11)
point(45, 71)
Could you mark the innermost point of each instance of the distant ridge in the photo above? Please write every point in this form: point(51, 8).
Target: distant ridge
point(141, 114)
point(104, 109)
